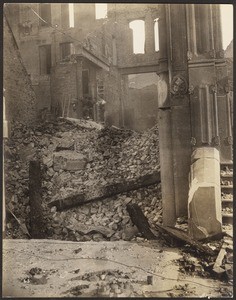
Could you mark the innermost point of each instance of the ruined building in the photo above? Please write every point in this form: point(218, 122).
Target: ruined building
point(74, 63)
point(84, 66)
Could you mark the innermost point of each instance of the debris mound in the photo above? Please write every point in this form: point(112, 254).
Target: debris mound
point(78, 156)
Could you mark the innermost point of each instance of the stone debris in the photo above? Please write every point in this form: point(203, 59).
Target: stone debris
point(98, 156)
point(219, 266)
point(78, 290)
point(68, 161)
point(37, 276)
point(105, 191)
point(109, 217)
point(194, 265)
point(182, 291)
point(107, 283)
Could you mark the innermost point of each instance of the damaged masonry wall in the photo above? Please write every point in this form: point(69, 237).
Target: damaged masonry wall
point(108, 40)
point(19, 94)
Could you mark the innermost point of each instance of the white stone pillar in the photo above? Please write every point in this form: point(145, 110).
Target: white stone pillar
point(204, 203)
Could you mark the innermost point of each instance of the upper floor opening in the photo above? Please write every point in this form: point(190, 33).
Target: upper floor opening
point(138, 27)
point(100, 11)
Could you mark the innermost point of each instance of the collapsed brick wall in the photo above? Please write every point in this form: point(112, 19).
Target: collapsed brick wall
point(19, 94)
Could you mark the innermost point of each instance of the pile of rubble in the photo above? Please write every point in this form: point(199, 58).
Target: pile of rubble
point(81, 156)
point(106, 219)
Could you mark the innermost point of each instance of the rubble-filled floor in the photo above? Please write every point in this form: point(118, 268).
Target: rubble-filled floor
point(52, 268)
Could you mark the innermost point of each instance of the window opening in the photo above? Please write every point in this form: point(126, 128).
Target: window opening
point(45, 59)
point(45, 13)
point(156, 34)
point(71, 15)
point(101, 10)
point(138, 27)
point(66, 50)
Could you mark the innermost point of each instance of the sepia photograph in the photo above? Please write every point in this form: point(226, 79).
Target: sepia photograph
point(117, 150)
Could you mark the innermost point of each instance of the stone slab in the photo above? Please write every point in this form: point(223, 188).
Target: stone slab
point(68, 160)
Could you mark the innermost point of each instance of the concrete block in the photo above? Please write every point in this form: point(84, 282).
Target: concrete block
point(68, 160)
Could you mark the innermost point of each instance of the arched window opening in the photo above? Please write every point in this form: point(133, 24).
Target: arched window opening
point(71, 15)
point(156, 34)
point(101, 10)
point(138, 27)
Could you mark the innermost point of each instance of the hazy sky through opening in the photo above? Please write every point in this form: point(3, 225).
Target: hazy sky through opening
point(227, 24)
point(71, 15)
point(101, 10)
